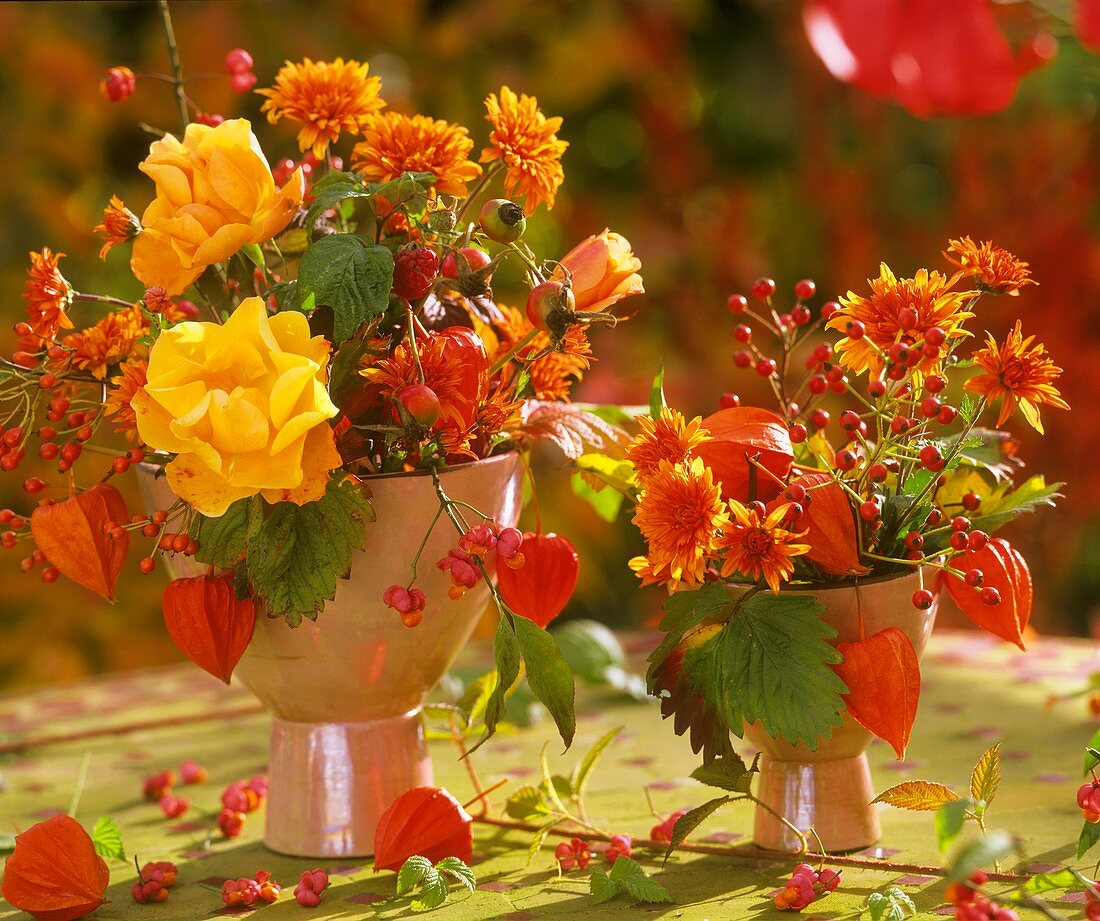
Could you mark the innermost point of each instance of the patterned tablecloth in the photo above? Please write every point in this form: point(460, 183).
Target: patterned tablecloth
point(976, 692)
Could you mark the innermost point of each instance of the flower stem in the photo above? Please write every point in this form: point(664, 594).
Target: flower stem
point(177, 69)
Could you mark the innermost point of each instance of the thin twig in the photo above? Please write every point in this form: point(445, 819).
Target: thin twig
point(177, 69)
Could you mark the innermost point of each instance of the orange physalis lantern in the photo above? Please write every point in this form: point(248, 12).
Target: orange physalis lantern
point(829, 525)
point(424, 820)
point(54, 873)
point(1004, 569)
point(74, 536)
point(883, 677)
point(208, 622)
point(541, 588)
point(740, 435)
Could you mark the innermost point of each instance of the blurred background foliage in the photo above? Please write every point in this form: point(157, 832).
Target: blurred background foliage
point(706, 131)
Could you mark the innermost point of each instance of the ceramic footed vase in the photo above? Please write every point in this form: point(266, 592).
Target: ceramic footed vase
point(830, 789)
point(345, 691)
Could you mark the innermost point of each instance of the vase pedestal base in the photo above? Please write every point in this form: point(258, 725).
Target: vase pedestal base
point(330, 782)
point(832, 797)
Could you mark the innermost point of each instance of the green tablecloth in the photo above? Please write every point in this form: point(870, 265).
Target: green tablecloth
point(976, 692)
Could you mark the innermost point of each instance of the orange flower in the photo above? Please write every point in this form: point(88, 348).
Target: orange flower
point(48, 295)
point(326, 97)
point(603, 270)
point(669, 437)
point(892, 301)
point(130, 379)
point(394, 144)
point(681, 516)
point(527, 143)
point(995, 270)
point(758, 547)
point(553, 375)
point(110, 342)
point(119, 224)
point(1019, 374)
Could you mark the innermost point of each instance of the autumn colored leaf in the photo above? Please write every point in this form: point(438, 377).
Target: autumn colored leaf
point(986, 776)
point(1005, 569)
point(208, 622)
point(424, 820)
point(740, 434)
point(883, 677)
point(73, 536)
point(541, 588)
point(54, 873)
point(917, 795)
point(830, 528)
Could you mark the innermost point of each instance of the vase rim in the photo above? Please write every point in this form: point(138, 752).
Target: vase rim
point(847, 584)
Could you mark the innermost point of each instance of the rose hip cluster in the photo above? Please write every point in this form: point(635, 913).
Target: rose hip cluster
point(154, 881)
point(462, 564)
point(806, 885)
point(971, 905)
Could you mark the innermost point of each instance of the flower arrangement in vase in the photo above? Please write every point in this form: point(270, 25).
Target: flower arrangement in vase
point(805, 555)
point(321, 394)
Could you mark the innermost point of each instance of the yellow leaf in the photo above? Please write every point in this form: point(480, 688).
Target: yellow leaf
point(986, 775)
point(917, 795)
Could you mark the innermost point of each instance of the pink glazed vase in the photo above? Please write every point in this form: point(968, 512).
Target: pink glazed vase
point(345, 691)
point(830, 788)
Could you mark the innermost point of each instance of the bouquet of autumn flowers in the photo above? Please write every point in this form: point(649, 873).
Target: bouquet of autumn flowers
point(744, 506)
point(302, 327)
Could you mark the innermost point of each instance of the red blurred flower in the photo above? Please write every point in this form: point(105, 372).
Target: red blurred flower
point(118, 84)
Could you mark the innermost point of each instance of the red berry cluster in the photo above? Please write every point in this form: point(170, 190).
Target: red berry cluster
point(806, 885)
point(618, 846)
point(238, 799)
point(1088, 799)
point(245, 892)
point(574, 853)
point(971, 905)
point(308, 891)
point(154, 881)
point(238, 64)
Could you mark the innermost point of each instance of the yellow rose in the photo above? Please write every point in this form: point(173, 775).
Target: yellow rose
point(243, 406)
point(214, 195)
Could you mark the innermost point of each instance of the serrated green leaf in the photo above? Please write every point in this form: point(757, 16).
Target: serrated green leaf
point(528, 803)
point(548, 675)
point(607, 503)
point(657, 393)
point(629, 874)
point(539, 839)
point(506, 657)
point(1055, 879)
point(890, 904)
point(344, 374)
point(986, 776)
point(412, 872)
point(458, 871)
point(298, 553)
point(403, 187)
point(1090, 834)
point(602, 887)
point(774, 669)
point(615, 472)
point(330, 191)
point(583, 770)
point(982, 852)
point(344, 272)
point(431, 894)
point(684, 611)
point(727, 773)
point(107, 839)
point(689, 821)
point(223, 541)
point(949, 821)
point(475, 698)
point(548, 787)
point(997, 511)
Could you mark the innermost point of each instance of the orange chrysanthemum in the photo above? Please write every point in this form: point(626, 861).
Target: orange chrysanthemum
point(110, 342)
point(130, 379)
point(527, 143)
point(1018, 374)
point(119, 224)
point(995, 270)
point(888, 317)
point(394, 144)
point(48, 295)
point(681, 515)
point(326, 97)
point(669, 437)
point(758, 547)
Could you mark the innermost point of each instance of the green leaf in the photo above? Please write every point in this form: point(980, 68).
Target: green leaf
point(727, 773)
point(998, 510)
point(605, 470)
point(607, 503)
point(403, 187)
point(684, 611)
point(344, 375)
point(1090, 834)
point(475, 698)
point(223, 541)
point(583, 770)
point(432, 893)
point(548, 675)
point(506, 657)
point(890, 904)
point(1092, 753)
point(540, 839)
point(629, 874)
point(345, 273)
point(458, 871)
point(986, 776)
point(602, 887)
point(689, 821)
point(949, 821)
point(657, 393)
point(412, 872)
point(107, 839)
point(527, 804)
point(254, 254)
point(590, 648)
point(774, 669)
point(330, 191)
point(7, 842)
point(1056, 879)
point(980, 853)
point(299, 551)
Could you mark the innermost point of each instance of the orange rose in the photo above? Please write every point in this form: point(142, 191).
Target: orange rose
point(604, 270)
point(215, 194)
